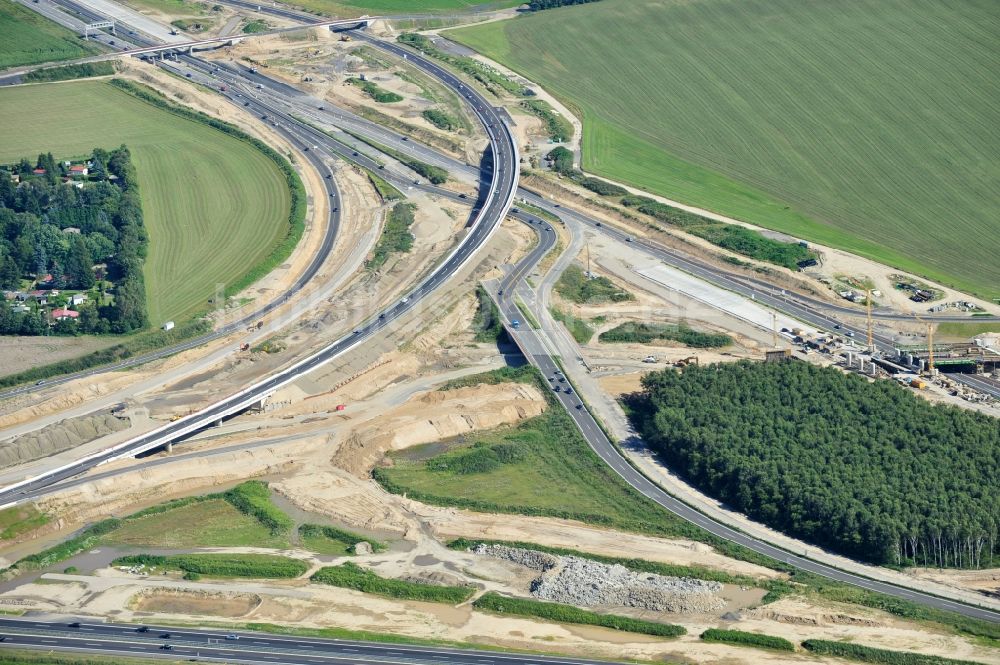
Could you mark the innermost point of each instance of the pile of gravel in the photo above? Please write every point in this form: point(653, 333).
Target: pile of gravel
point(584, 582)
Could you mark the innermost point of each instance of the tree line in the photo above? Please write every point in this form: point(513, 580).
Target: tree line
point(538, 5)
point(52, 228)
point(867, 469)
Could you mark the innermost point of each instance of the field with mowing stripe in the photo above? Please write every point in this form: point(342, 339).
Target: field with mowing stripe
point(214, 206)
point(27, 38)
point(869, 125)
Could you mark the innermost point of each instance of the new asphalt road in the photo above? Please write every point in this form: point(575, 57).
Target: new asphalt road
point(244, 647)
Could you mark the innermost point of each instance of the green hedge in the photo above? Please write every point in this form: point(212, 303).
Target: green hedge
point(494, 602)
point(435, 174)
point(602, 187)
point(644, 333)
point(67, 72)
point(865, 654)
point(743, 638)
point(253, 498)
point(440, 119)
point(297, 212)
point(380, 95)
point(70, 548)
point(351, 576)
point(221, 565)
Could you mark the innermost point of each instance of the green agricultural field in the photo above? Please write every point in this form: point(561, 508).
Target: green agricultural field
point(29, 38)
point(382, 7)
point(865, 124)
point(214, 206)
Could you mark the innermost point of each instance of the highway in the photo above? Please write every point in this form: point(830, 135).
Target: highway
point(535, 349)
point(494, 207)
point(189, 644)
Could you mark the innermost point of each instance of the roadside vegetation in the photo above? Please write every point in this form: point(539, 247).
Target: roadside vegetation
point(376, 92)
point(560, 129)
point(645, 333)
point(435, 174)
point(386, 191)
point(324, 539)
point(864, 654)
point(67, 72)
point(577, 327)
point(255, 26)
point(264, 566)
point(441, 120)
point(29, 38)
point(575, 286)
point(396, 236)
point(486, 323)
point(497, 604)
point(742, 638)
point(492, 80)
point(705, 117)
point(906, 484)
point(351, 576)
point(20, 519)
point(29, 657)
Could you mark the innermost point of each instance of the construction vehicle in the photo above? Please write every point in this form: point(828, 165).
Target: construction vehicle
point(260, 324)
point(345, 37)
point(649, 359)
point(245, 346)
point(341, 407)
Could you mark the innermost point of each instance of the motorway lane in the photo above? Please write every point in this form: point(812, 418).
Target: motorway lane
point(495, 206)
point(534, 348)
point(250, 647)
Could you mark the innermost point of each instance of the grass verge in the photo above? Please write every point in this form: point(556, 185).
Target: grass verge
point(865, 654)
point(435, 174)
point(742, 638)
point(20, 519)
point(68, 72)
point(578, 328)
point(644, 333)
point(221, 565)
point(350, 576)
point(497, 604)
point(396, 236)
point(380, 95)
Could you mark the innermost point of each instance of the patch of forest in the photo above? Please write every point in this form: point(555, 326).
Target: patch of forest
point(72, 246)
point(862, 467)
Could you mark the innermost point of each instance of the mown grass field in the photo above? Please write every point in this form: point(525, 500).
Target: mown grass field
point(214, 206)
point(869, 125)
point(382, 7)
point(27, 38)
point(212, 523)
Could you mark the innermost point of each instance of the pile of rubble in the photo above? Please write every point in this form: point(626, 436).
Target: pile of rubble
point(584, 582)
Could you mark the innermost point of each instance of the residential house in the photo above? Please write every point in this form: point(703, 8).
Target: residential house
point(58, 314)
point(77, 298)
point(78, 170)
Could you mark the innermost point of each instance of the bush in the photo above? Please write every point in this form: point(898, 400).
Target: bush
point(560, 129)
point(379, 94)
point(440, 119)
point(742, 638)
point(486, 322)
point(351, 576)
point(494, 602)
point(562, 160)
point(578, 328)
point(575, 286)
point(602, 187)
point(478, 459)
point(644, 333)
point(872, 655)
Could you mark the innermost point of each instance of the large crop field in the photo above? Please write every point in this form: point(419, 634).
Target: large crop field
point(26, 38)
point(214, 206)
point(869, 125)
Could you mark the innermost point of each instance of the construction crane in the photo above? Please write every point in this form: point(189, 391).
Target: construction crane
point(930, 343)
